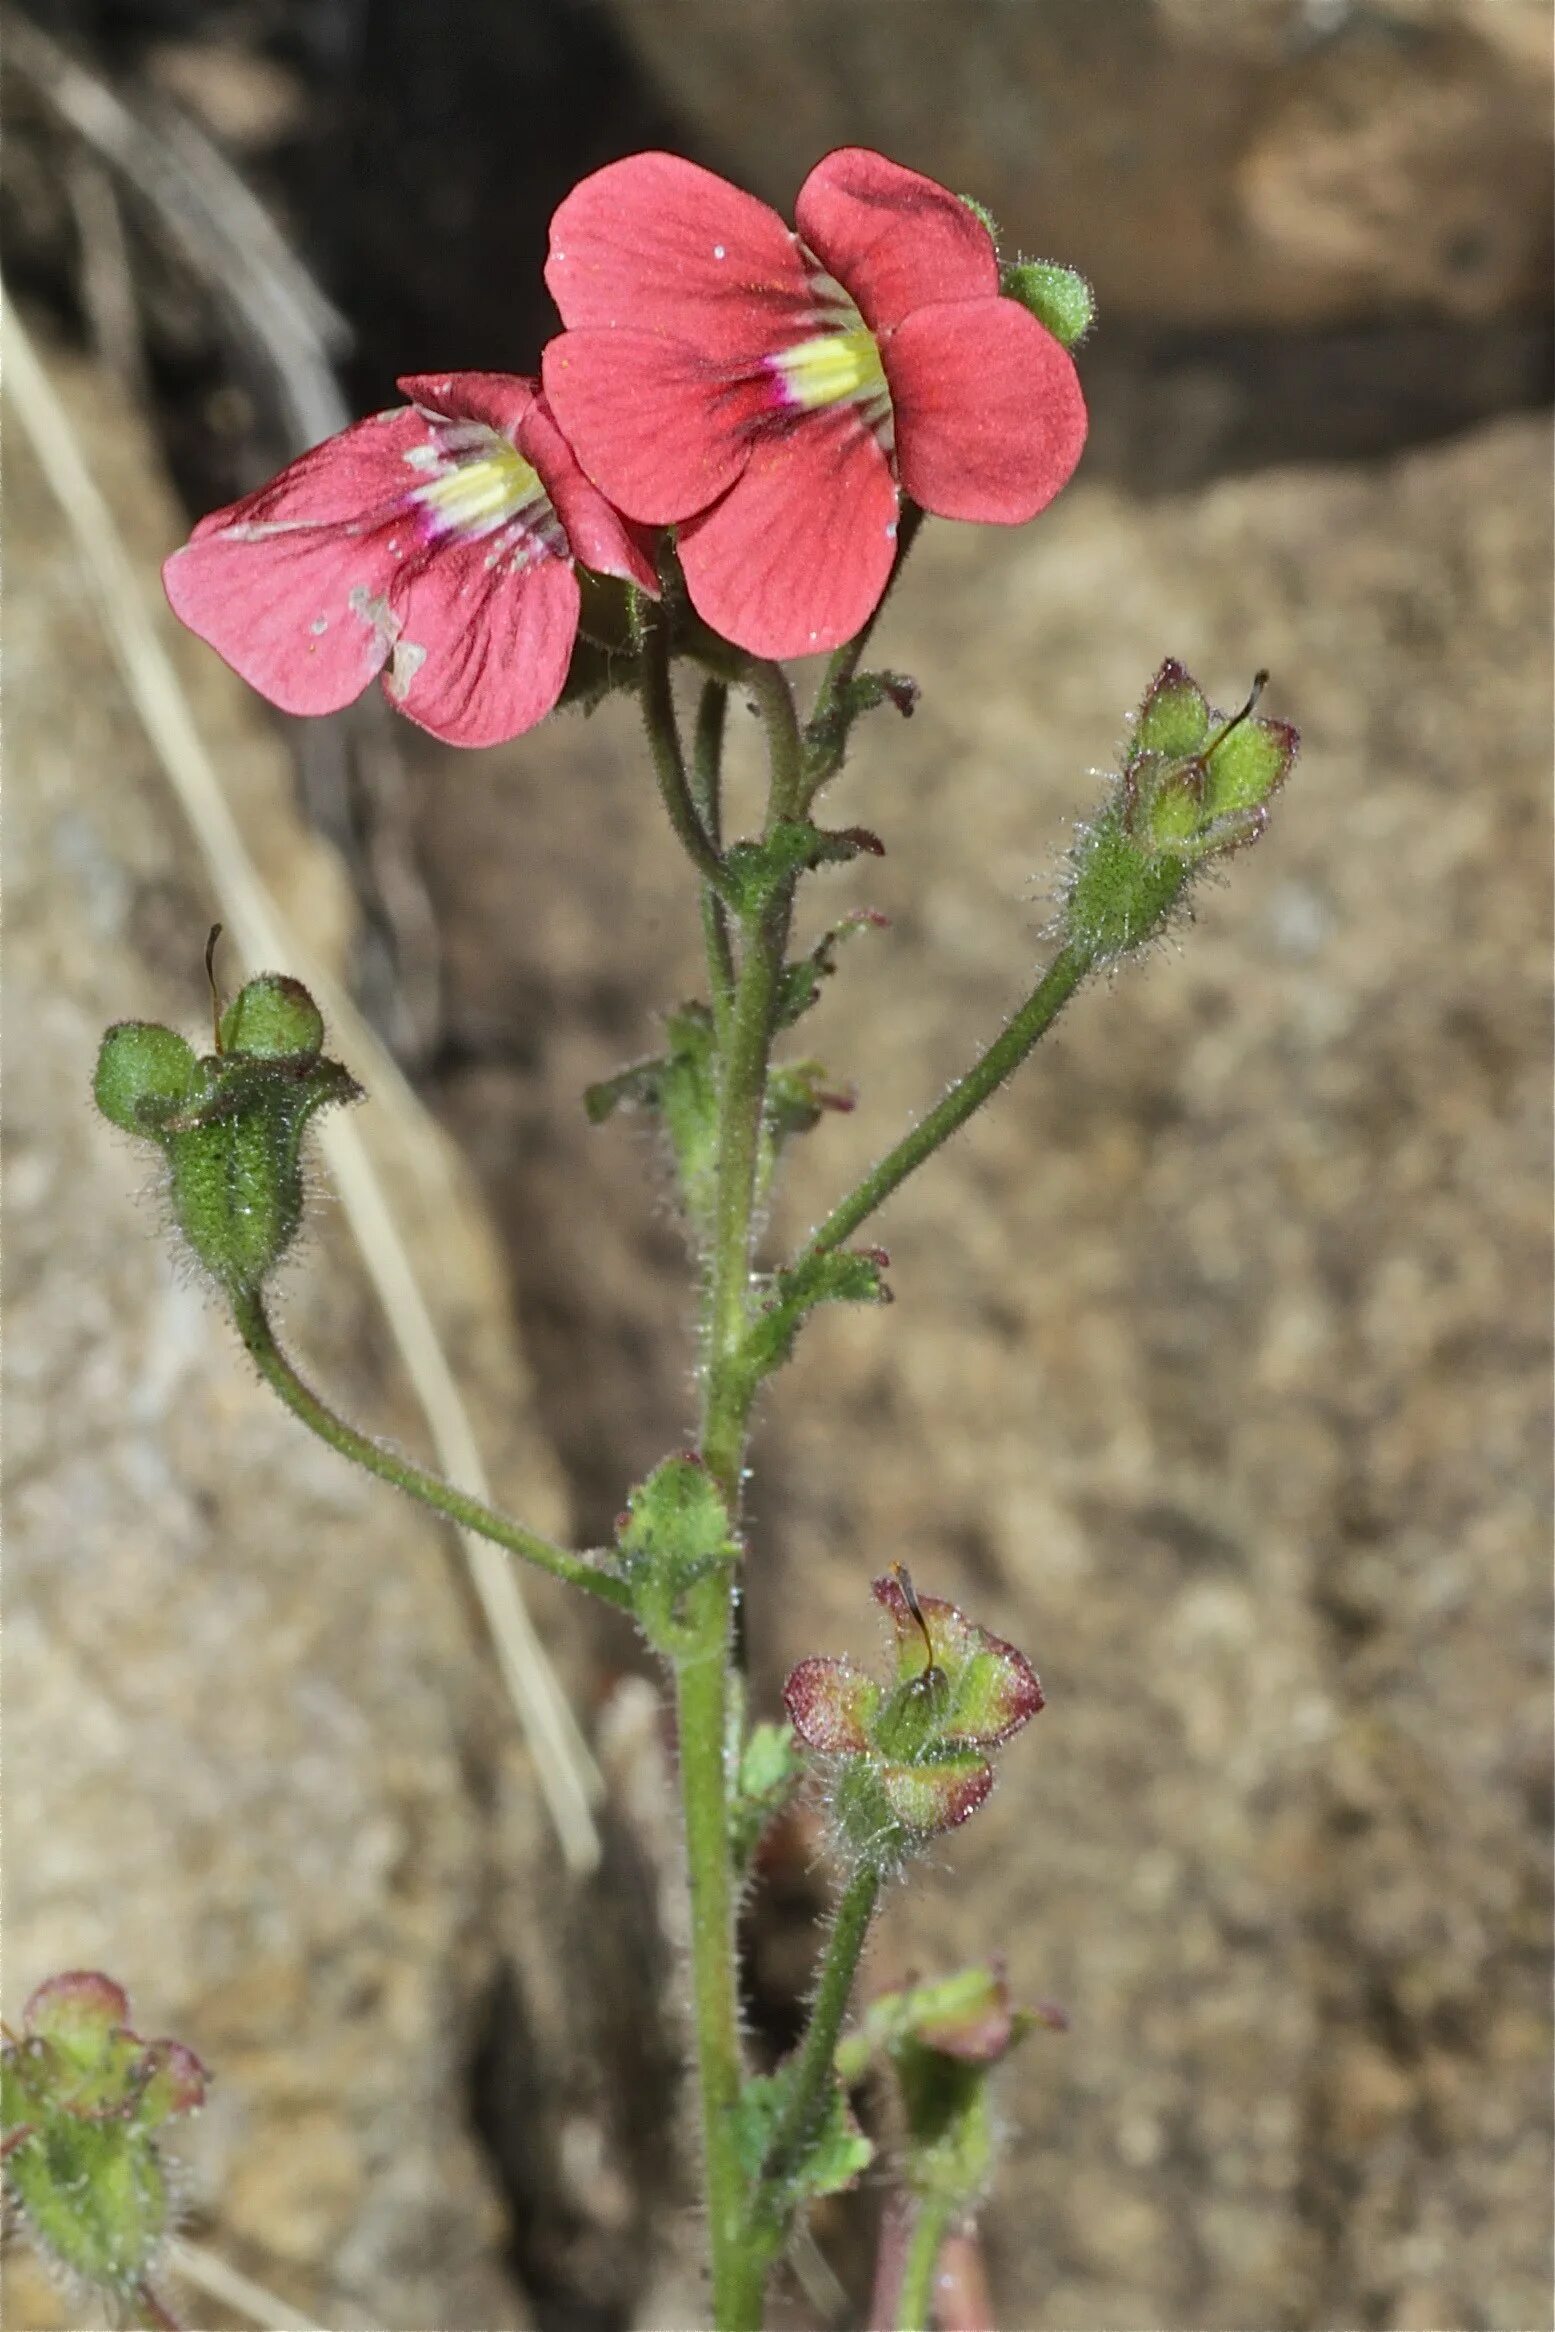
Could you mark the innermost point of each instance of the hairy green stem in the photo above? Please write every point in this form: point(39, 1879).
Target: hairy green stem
point(768, 683)
point(702, 1673)
point(707, 799)
point(827, 729)
point(814, 2067)
point(915, 2297)
point(701, 1705)
point(669, 762)
point(1009, 1048)
point(470, 1513)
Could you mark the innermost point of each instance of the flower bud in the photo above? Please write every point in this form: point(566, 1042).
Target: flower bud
point(84, 2101)
point(943, 2040)
point(910, 1757)
point(273, 1019)
point(144, 1073)
point(1058, 297)
point(1195, 785)
point(229, 1126)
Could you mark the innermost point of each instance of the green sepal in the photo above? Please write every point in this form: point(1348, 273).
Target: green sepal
point(842, 1275)
point(230, 1125)
point(770, 1769)
point(675, 1530)
point(94, 2197)
point(233, 1154)
point(981, 212)
point(1059, 297)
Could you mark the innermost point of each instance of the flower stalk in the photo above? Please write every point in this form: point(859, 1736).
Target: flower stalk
point(428, 1489)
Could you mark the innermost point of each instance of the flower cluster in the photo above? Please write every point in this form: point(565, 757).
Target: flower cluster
point(85, 2103)
point(777, 397)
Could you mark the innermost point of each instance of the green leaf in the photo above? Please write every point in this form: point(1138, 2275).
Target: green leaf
point(842, 1275)
point(801, 983)
point(771, 1769)
point(794, 846)
point(681, 1087)
point(836, 2154)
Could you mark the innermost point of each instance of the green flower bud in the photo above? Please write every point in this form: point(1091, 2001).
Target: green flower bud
point(144, 1073)
point(229, 1126)
point(1058, 297)
point(273, 1019)
point(1195, 785)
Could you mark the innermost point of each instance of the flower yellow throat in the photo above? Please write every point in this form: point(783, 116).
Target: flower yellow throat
point(833, 368)
point(478, 496)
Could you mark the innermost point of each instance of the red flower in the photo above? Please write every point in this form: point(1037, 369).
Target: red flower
point(437, 540)
point(773, 393)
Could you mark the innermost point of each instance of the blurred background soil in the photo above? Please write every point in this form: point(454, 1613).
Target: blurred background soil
point(1218, 1376)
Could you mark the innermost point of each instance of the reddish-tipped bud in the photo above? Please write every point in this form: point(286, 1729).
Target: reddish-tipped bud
point(85, 2099)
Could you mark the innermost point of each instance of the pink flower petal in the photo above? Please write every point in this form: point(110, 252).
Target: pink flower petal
point(501, 399)
point(600, 537)
point(795, 557)
point(657, 427)
point(344, 481)
point(893, 238)
point(300, 613)
point(990, 420)
point(658, 245)
point(483, 647)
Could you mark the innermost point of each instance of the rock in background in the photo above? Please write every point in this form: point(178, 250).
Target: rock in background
point(1206, 161)
point(1216, 1374)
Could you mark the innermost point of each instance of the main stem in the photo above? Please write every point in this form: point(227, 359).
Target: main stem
point(254, 1327)
point(702, 1675)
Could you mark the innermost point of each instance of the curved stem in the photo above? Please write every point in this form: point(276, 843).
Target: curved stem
point(471, 1513)
point(814, 2067)
point(1009, 1048)
point(768, 683)
point(915, 2296)
point(669, 762)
